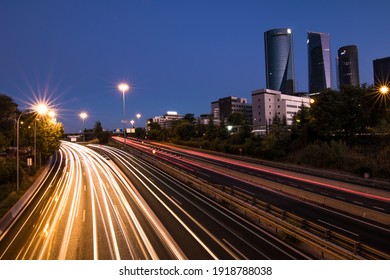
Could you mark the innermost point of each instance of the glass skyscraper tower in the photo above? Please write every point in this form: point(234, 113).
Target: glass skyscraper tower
point(348, 66)
point(320, 75)
point(382, 71)
point(279, 60)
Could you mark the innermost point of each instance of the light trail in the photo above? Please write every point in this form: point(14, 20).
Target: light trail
point(145, 181)
point(90, 212)
point(145, 176)
point(256, 168)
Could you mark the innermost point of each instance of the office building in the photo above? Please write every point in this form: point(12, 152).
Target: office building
point(319, 67)
point(168, 119)
point(268, 103)
point(382, 71)
point(279, 60)
point(348, 66)
point(225, 107)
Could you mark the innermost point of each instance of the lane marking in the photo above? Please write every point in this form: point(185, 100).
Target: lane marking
point(204, 174)
point(358, 202)
point(235, 249)
point(175, 199)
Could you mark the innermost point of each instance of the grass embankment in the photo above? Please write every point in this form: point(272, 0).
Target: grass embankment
point(8, 194)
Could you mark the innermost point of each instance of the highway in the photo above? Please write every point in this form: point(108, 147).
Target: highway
point(91, 207)
point(87, 211)
point(202, 228)
point(334, 190)
point(357, 228)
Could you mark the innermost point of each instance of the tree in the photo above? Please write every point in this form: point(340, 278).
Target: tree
point(276, 144)
point(222, 132)
point(154, 131)
point(48, 135)
point(343, 113)
point(210, 131)
point(302, 129)
point(8, 113)
point(100, 134)
point(302, 117)
point(236, 119)
point(140, 132)
point(189, 118)
point(184, 130)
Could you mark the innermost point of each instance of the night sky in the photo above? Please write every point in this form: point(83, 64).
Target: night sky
point(176, 55)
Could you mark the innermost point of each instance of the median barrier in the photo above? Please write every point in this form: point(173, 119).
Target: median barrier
point(353, 209)
point(323, 242)
point(341, 177)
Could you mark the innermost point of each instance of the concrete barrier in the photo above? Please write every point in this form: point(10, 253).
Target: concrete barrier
point(353, 209)
point(22, 203)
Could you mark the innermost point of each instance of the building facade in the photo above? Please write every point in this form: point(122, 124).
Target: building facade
point(225, 107)
point(268, 103)
point(348, 66)
point(319, 66)
point(279, 60)
point(167, 120)
point(382, 71)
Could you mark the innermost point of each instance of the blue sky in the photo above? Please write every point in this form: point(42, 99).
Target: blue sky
point(176, 55)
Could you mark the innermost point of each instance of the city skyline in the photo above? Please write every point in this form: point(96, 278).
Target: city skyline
point(175, 56)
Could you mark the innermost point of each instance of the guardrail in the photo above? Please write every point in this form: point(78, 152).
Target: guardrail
point(341, 177)
point(302, 229)
point(327, 243)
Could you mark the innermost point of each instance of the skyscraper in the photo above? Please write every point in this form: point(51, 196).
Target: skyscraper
point(279, 60)
point(320, 74)
point(348, 66)
point(382, 71)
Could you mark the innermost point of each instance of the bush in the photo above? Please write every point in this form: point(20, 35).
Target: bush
point(337, 155)
point(7, 170)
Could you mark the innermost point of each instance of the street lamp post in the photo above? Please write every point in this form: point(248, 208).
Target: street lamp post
point(35, 143)
point(41, 109)
point(17, 149)
point(83, 116)
point(123, 87)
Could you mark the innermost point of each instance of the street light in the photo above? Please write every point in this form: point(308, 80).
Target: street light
point(123, 87)
point(17, 149)
point(52, 114)
point(83, 116)
point(384, 89)
point(41, 109)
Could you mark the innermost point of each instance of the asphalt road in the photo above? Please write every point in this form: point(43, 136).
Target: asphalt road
point(87, 211)
point(202, 228)
point(91, 207)
point(357, 228)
